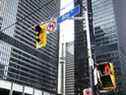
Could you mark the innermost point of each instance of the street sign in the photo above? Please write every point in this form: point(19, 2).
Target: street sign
point(77, 18)
point(69, 14)
point(51, 26)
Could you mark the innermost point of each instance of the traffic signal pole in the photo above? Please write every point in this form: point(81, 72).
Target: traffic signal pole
point(90, 59)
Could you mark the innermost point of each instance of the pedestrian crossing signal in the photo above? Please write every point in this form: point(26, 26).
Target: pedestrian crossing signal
point(107, 76)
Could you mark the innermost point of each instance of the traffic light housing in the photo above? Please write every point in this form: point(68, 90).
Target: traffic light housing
point(41, 32)
point(40, 35)
point(107, 76)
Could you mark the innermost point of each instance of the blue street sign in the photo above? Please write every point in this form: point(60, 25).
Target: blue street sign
point(69, 14)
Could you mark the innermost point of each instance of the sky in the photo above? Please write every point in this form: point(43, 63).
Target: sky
point(67, 27)
point(66, 33)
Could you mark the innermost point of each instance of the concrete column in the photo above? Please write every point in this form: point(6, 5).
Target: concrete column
point(33, 91)
point(11, 90)
point(23, 90)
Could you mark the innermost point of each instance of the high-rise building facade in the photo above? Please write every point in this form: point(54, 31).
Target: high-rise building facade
point(20, 62)
point(109, 24)
point(81, 58)
point(69, 69)
point(0, 13)
point(0, 22)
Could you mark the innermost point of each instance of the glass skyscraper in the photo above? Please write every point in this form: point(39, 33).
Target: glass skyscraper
point(20, 62)
point(108, 18)
point(69, 69)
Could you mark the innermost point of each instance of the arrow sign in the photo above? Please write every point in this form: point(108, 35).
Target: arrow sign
point(69, 14)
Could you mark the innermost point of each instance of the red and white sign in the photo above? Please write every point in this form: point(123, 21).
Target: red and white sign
point(87, 91)
point(52, 25)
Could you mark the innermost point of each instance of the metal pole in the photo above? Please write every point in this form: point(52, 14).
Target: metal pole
point(90, 59)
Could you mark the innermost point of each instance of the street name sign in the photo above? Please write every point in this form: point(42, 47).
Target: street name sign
point(69, 14)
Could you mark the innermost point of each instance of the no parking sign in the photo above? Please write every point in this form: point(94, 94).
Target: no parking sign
point(51, 27)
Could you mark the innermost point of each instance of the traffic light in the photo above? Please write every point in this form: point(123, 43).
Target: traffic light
point(40, 35)
point(41, 32)
point(107, 76)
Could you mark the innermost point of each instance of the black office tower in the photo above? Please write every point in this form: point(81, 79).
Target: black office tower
point(82, 76)
point(20, 62)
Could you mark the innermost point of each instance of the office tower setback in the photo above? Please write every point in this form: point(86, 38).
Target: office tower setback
point(69, 69)
point(33, 70)
point(109, 24)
